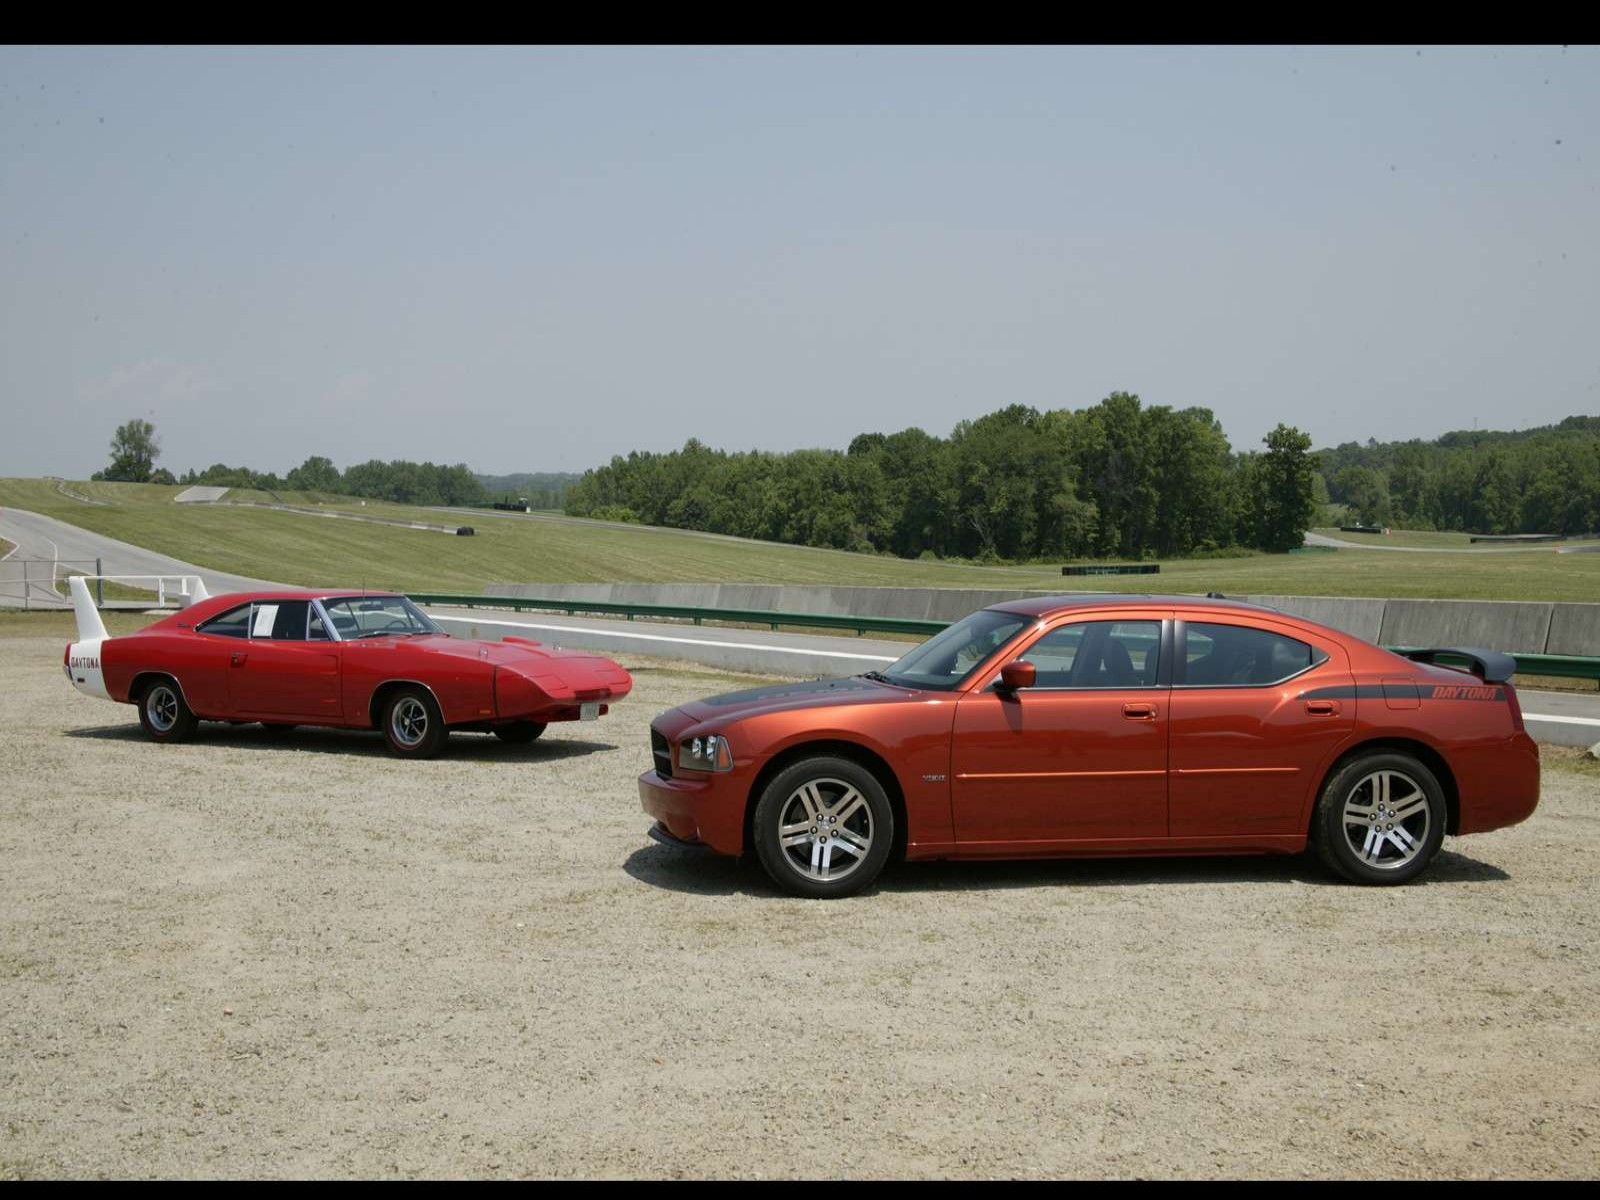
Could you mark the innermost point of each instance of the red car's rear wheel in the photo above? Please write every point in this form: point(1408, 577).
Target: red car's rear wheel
point(163, 712)
point(412, 723)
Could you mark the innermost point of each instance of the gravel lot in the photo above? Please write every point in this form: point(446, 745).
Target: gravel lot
point(249, 957)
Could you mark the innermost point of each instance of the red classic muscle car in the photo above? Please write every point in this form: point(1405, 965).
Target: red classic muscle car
point(1103, 725)
point(358, 660)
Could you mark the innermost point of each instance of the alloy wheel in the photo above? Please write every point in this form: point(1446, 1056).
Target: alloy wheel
point(1386, 819)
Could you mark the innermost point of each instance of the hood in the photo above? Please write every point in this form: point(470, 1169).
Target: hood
point(787, 697)
point(559, 673)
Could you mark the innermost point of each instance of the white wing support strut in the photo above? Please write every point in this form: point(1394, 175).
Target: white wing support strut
point(90, 626)
point(187, 590)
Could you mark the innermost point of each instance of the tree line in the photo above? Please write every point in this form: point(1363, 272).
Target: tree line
point(1118, 479)
point(1544, 480)
point(135, 448)
point(541, 489)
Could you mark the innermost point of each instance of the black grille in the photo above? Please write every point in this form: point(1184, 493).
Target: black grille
point(663, 752)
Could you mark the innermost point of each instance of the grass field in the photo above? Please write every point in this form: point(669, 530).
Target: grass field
point(61, 625)
point(301, 549)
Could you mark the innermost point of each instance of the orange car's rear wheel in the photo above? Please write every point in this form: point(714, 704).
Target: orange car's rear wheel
point(823, 828)
point(1380, 819)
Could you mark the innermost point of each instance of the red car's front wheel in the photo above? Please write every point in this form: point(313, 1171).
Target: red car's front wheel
point(519, 733)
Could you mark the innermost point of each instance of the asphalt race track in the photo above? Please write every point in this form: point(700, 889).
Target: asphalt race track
point(41, 537)
point(1565, 718)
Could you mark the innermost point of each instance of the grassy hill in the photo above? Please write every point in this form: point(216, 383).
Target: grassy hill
point(303, 549)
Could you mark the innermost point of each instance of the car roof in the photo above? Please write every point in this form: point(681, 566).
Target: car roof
point(233, 598)
point(1049, 606)
point(211, 606)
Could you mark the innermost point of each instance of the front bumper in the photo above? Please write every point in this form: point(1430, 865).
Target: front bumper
point(697, 809)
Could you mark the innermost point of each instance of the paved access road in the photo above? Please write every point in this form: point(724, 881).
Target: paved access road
point(41, 537)
point(1571, 719)
point(1322, 539)
point(1565, 718)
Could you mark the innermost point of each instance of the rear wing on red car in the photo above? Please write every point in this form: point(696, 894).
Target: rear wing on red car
point(1488, 665)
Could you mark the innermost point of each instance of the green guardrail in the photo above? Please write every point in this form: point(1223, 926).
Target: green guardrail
point(1555, 666)
point(732, 616)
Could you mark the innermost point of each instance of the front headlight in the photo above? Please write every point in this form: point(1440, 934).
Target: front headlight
point(709, 753)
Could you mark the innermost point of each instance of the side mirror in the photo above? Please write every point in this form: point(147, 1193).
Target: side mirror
point(1019, 674)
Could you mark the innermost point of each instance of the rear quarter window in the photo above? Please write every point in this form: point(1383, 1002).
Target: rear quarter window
point(1243, 656)
point(233, 623)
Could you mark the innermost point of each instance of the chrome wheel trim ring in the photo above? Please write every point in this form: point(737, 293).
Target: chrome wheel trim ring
point(408, 722)
point(161, 707)
point(1386, 820)
point(825, 829)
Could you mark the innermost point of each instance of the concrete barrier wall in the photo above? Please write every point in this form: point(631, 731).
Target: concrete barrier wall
point(1495, 625)
point(1359, 617)
point(1574, 629)
point(1512, 626)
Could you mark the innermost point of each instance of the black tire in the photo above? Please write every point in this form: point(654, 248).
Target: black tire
point(806, 868)
point(520, 733)
point(412, 723)
point(164, 713)
point(1399, 824)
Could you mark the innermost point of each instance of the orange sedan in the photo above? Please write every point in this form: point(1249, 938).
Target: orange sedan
point(1101, 725)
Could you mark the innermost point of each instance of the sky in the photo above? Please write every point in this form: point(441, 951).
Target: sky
point(533, 259)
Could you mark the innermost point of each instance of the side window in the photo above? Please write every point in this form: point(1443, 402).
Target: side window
point(316, 631)
point(234, 623)
point(1243, 656)
point(1098, 654)
point(1052, 655)
point(282, 621)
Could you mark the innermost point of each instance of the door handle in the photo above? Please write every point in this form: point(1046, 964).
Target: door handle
point(1322, 708)
point(238, 659)
point(1139, 712)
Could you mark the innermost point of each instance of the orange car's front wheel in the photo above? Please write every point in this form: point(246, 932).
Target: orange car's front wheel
point(823, 827)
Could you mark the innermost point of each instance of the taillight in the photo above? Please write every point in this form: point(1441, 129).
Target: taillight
point(66, 660)
point(1516, 708)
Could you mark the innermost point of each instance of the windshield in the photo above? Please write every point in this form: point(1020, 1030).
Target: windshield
point(377, 616)
point(945, 660)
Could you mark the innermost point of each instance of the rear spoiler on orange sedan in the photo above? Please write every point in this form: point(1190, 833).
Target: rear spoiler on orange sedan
point(1488, 665)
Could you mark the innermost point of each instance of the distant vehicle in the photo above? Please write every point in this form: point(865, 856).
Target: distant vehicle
point(1103, 725)
point(519, 505)
point(356, 660)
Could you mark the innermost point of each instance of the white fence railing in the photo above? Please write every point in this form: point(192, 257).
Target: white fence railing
point(41, 583)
